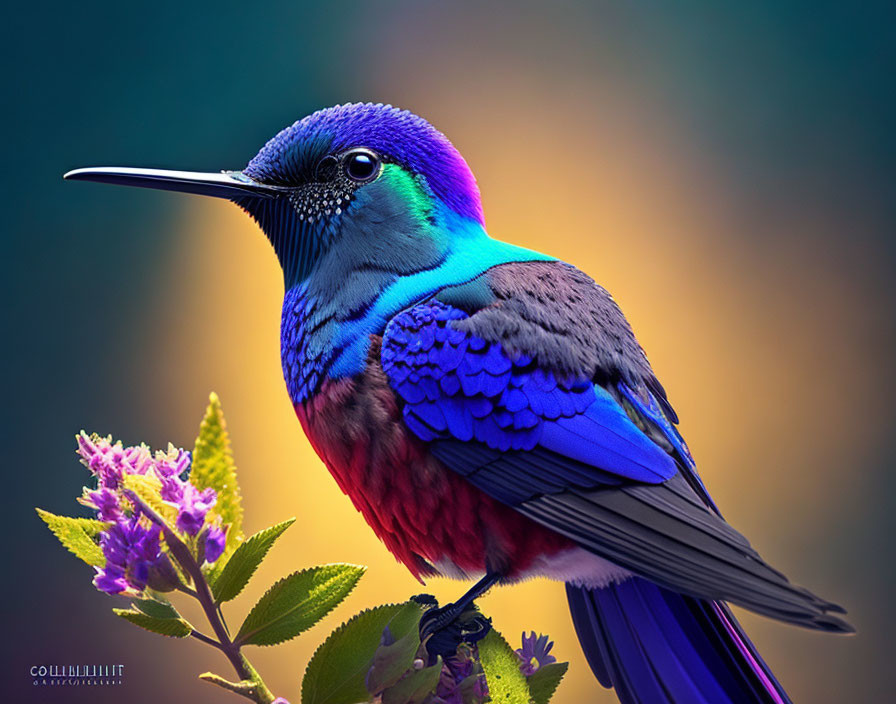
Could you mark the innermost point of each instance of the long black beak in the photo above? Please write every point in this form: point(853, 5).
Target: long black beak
point(227, 184)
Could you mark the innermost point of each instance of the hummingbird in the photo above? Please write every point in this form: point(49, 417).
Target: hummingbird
point(489, 411)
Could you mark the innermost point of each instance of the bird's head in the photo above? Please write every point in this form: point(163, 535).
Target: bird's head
point(355, 176)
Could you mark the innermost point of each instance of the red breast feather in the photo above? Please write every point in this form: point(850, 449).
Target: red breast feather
point(430, 518)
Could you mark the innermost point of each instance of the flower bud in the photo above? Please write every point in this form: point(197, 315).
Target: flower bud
point(162, 576)
point(211, 543)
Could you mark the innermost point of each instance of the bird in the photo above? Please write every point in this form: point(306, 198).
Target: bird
point(489, 411)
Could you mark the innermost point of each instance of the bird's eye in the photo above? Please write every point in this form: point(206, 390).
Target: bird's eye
point(361, 165)
point(326, 168)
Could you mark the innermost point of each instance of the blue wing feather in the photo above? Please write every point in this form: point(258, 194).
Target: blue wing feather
point(457, 385)
point(650, 409)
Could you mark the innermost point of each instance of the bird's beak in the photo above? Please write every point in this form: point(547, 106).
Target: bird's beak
point(226, 184)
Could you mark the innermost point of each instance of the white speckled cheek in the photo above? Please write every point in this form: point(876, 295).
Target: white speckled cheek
point(317, 200)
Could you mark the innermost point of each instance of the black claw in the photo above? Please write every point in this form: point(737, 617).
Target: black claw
point(443, 629)
point(425, 600)
point(476, 629)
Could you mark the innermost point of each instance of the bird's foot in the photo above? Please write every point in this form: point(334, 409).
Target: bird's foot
point(443, 629)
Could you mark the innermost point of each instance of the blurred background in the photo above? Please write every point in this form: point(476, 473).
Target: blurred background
point(727, 171)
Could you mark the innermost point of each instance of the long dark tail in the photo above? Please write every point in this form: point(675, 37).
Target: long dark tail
point(654, 646)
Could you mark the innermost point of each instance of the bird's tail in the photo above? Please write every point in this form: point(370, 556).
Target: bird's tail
point(655, 646)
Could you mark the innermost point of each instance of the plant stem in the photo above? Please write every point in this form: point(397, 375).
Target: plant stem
point(205, 639)
point(221, 616)
point(257, 691)
point(186, 590)
point(243, 688)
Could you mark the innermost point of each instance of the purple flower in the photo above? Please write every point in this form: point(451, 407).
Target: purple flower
point(110, 461)
point(535, 653)
point(134, 558)
point(456, 671)
point(96, 455)
point(110, 579)
point(192, 504)
point(132, 544)
point(107, 504)
point(195, 506)
point(173, 463)
point(212, 543)
point(172, 490)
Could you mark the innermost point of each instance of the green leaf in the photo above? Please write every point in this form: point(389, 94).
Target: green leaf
point(297, 602)
point(213, 467)
point(336, 672)
point(156, 608)
point(390, 662)
point(416, 687)
point(172, 627)
point(78, 535)
point(506, 684)
point(543, 682)
point(245, 560)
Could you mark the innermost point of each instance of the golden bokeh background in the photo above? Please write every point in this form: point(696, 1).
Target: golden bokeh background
point(725, 171)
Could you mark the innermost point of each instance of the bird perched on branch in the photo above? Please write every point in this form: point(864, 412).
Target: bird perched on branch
point(489, 411)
